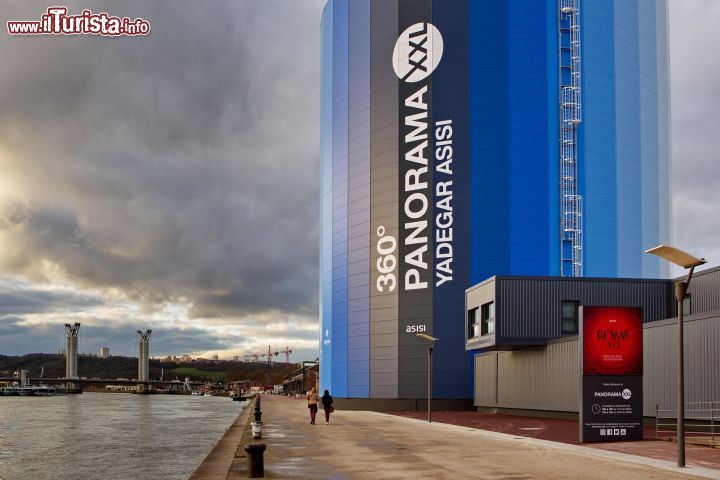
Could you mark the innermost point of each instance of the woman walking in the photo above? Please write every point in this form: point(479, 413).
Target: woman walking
point(327, 402)
point(312, 398)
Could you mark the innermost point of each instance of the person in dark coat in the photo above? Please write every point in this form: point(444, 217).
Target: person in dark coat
point(327, 402)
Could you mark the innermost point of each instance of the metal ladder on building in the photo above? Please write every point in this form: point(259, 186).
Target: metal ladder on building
point(570, 97)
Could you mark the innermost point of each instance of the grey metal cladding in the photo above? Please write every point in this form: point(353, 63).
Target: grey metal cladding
point(702, 360)
point(547, 378)
point(705, 290)
point(530, 307)
point(383, 194)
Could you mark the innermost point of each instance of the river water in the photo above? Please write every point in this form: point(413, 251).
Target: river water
point(109, 436)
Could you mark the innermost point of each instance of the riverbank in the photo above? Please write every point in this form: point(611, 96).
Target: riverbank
point(219, 460)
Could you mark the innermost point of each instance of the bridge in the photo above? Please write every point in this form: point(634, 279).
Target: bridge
point(72, 381)
point(102, 381)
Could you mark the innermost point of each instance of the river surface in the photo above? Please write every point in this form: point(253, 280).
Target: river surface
point(109, 436)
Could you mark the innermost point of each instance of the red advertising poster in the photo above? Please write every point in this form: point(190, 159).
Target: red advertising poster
point(612, 341)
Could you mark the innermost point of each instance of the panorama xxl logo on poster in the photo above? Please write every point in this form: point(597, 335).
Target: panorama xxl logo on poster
point(417, 52)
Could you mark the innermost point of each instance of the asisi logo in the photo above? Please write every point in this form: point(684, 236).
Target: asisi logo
point(417, 52)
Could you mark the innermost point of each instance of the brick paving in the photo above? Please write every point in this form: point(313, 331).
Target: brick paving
point(566, 431)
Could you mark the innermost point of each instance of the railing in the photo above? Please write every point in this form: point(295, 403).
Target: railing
point(570, 99)
point(702, 420)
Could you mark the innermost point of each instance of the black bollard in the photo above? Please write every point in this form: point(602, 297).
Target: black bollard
point(256, 465)
point(258, 416)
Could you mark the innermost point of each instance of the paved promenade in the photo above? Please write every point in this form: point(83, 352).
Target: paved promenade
point(378, 446)
point(566, 431)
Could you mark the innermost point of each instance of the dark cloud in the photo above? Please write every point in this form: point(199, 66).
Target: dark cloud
point(181, 165)
point(24, 301)
point(12, 325)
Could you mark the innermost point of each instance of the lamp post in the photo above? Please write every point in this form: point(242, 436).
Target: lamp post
point(687, 261)
point(431, 345)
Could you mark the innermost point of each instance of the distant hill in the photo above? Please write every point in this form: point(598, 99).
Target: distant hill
point(127, 367)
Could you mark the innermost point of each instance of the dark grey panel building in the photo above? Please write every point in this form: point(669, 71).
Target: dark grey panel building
point(506, 312)
point(523, 331)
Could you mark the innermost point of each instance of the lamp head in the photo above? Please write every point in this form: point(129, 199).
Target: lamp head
point(676, 256)
point(427, 337)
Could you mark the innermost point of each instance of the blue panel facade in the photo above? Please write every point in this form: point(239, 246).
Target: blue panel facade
point(359, 200)
point(552, 144)
point(489, 138)
point(597, 155)
point(529, 129)
point(649, 172)
point(498, 85)
point(326, 192)
point(340, 85)
point(663, 139)
point(627, 146)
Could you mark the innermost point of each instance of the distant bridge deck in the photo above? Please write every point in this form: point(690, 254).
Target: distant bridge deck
point(103, 381)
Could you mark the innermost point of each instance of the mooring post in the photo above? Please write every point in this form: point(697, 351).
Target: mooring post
point(256, 464)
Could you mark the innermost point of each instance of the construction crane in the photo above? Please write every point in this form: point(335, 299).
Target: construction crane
point(287, 353)
point(268, 356)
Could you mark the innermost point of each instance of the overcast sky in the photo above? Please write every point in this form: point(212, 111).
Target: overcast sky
point(171, 182)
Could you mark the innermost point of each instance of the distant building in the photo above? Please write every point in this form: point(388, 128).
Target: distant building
point(235, 358)
point(104, 352)
point(215, 358)
point(61, 351)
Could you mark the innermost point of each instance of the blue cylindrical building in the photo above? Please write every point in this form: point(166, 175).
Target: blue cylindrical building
point(462, 139)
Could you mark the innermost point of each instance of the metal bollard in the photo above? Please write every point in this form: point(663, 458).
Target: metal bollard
point(256, 465)
point(258, 416)
point(256, 429)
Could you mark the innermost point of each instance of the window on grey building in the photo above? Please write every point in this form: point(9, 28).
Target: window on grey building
point(487, 316)
point(569, 316)
point(473, 323)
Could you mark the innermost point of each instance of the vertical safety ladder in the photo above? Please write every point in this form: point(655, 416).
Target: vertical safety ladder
point(571, 239)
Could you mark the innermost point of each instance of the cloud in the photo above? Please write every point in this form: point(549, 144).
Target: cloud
point(177, 167)
point(695, 85)
point(30, 300)
point(11, 325)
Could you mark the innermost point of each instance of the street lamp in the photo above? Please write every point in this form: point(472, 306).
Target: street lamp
point(431, 345)
point(687, 261)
